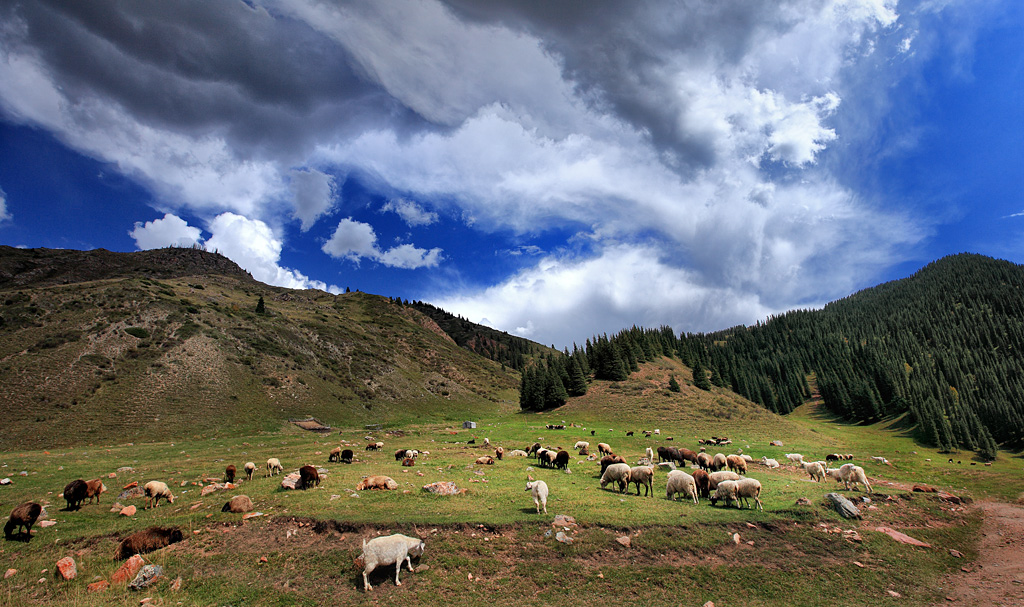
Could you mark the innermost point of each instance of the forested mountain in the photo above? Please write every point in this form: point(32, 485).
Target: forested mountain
point(496, 345)
point(946, 344)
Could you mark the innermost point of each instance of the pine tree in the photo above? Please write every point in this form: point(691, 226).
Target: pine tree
point(261, 307)
point(673, 385)
point(577, 381)
point(700, 379)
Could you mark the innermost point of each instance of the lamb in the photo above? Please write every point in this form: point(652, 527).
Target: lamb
point(75, 493)
point(719, 462)
point(680, 482)
point(147, 540)
point(274, 466)
point(229, 473)
point(499, 452)
point(250, 469)
point(736, 463)
point(703, 483)
point(308, 475)
point(604, 449)
point(643, 475)
point(608, 460)
point(487, 442)
point(94, 489)
point(22, 517)
point(156, 490)
point(738, 491)
point(388, 550)
point(377, 482)
point(815, 469)
point(517, 453)
point(581, 445)
point(335, 455)
point(539, 490)
point(347, 456)
point(618, 473)
point(238, 504)
point(769, 462)
point(795, 458)
point(722, 475)
point(485, 460)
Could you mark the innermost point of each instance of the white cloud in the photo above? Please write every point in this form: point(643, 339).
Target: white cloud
point(313, 192)
point(168, 231)
point(354, 240)
point(410, 212)
point(4, 215)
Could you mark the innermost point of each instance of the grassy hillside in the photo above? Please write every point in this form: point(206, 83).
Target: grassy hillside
point(129, 358)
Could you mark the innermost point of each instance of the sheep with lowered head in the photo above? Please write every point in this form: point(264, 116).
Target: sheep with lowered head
point(75, 493)
point(680, 482)
point(539, 490)
point(815, 469)
point(851, 473)
point(22, 517)
point(93, 489)
point(154, 491)
point(795, 458)
point(703, 482)
point(722, 475)
point(736, 463)
point(274, 466)
point(250, 469)
point(704, 461)
point(616, 473)
point(719, 462)
point(229, 473)
point(737, 491)
point(388, 550)
point(643, 475)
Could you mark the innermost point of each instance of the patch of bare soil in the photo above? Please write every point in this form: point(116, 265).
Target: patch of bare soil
point(997, 579)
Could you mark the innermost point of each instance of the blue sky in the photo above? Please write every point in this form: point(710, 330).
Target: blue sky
point(555, 170)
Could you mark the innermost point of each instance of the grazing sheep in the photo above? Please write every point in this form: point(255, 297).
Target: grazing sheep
point(22, 517)
point(382, 483)
point(347, 456)
point(795, 458)
point(377, 446)
point(533, 449)
point(815, 469)
point(147, 540)
point(848, 456)
point(401, 454)
point(485, 460)
point(238, 504)
point(499, 452)
point(250, 469)
point(335, 455)
point(736, 463)
point(833, 457)
point(580, 445)
point(703, 483)
point(517, 453)
point(274, 466)
point(388, 550)
point(562, 460)
point(618, 473)
point(629, 433)
point(704, 461)
point(686, 455)
point(719, 462)
point(650, 454)
point(769, 462)
point(539, 490)
point(75, 493)
point(308, 475)
point(738, 491)
point(680, 482)
point(408, 462)
point(882, 460)
point(851, 473)
point(722, 475)
point(643, 475)
point(584, 451)
point(608, 460)
point(666, 454)
point(604, 449)
point(94, 489)
point(487, 442)
point(229, 473)
point(154, 491)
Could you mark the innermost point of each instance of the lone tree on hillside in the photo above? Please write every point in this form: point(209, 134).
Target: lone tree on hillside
point(261, 308)
point(673, 385)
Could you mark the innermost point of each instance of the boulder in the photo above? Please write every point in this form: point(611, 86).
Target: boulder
point(97, 586)
point(238, 504)
point(291, 481)
point(66, 568)
point(443, 488)
point(128, 511)
point(147, 576)
point(128, 570)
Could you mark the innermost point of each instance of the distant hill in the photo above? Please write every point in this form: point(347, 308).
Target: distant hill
point(945, 345)
point(107, 347)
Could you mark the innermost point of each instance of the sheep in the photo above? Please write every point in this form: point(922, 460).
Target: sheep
point(274, 466)
point(703, 483)
point(738, 491)
point(719, 462)
point(154, 491)
point(485, 460)
point(147, 540)
point(629, 433)
point(686, 455)
point(771, 463)
point(643, 475)
point(795, 458)
point(401, 454)
point(308, 475)
point(618, 473)
point(238, 504)
point(851, 473)
point(815, 469)
point(562, 460)
point(388, 550)
point(229, 473)
point(377, 446)
point(499, 452)
point(539, 490)
point(580, 445)
point(412, 453)
point(517, 453)
point(408, 462)
point(736, 464)
point(335, 455)
point(94, 489)
point(882, 460)
point(347, 456)
point(250, 469)
point(382, 483)
point(680, 482)
point(704, 461)
point(833, 457)
point(650, 454)
point(533, 449)
point(487, 442)
point(75, 493)
point(608, 460)
point(666, 454)
point(584, 451)
point(604, 449)
point(722, 475)
point(22, 517)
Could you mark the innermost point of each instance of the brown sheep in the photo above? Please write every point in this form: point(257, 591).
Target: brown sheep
point(308, 476)
point(687, 455)
point(704, 461)
point(486, 460)
point(93, 489)
point(23, 516)
point(377, 482)
point(229, 473)
point(499, 452)
point(238, 504)
point(604, 449)
point(335, 455)
point(400, 455)
point(147, 540)
point(75, 493)
point(409, 461)
point(347, 456)
point(608, 460)
point(703, 482)
point(736, 463)
point(643, 475)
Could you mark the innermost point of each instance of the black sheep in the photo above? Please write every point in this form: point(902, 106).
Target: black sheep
point(562, 460)
point(76, 492)
point(346, 456)
point(308, 476)
point(23, 516)
point(147, 540)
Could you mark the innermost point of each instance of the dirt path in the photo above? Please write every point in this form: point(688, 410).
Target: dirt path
point(998, 577)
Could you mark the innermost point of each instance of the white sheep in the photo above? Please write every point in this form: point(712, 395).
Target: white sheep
point(154, 491)
point(740, 490)
point(274, 466)
point(616, 473)
point(815, 469)
point(852, 473)
point(643, 475)
point(581, 445)
point(539, 490)
point(388, 550)
point(517, 453)
point(650, 454)
point(250, 469)
point(719, 462)
point(722, 475)
point(680, 482)
point(771, 463)
point(795, 458)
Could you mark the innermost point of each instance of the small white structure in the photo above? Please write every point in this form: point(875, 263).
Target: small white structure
point(468, 425)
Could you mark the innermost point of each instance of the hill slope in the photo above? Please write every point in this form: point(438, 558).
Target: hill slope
point(101, 346)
